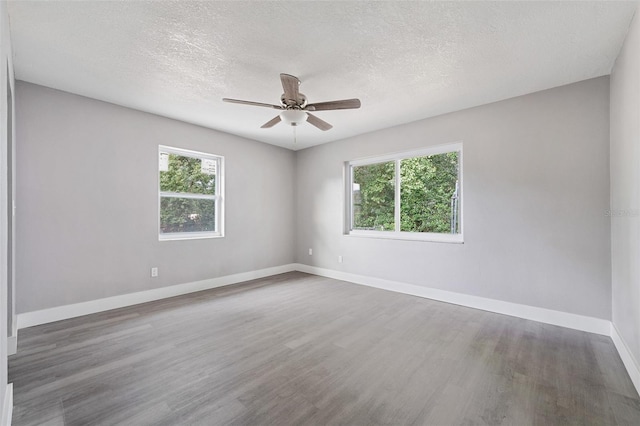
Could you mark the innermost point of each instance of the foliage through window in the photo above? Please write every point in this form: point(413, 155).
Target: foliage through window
point(189, 194)
point(414, 195)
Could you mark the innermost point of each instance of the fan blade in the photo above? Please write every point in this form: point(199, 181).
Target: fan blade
point(238, 101)
point(275, 120)
point(290, 85)
point(320, 124)
point(344, 104)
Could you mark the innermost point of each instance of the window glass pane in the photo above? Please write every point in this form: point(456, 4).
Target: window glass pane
point(429, 194)
point(191, 175)
point(373, 195)
point(187, 215)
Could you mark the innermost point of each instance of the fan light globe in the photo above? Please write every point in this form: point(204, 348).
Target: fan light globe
point(293, 117)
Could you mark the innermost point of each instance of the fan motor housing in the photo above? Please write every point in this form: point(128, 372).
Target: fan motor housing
point(288, 103)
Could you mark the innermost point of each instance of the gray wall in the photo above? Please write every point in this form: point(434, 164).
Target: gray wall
point(5, 201)
point(87, 202)
point(536, 188)
point(625, 190)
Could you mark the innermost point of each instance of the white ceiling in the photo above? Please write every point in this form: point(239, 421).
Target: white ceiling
point(404, 60)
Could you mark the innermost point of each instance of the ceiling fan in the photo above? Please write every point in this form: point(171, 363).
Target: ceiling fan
point(294, 106)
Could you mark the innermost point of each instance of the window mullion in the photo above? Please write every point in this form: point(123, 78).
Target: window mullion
point(189, 195)
point(396, 209)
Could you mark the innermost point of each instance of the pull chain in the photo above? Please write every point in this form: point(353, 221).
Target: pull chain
point(295, 135)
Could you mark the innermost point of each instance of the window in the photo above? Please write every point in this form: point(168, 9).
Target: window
point(190, 194)
point(416, 195)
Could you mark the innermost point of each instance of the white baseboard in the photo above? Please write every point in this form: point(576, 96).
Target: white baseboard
point(628, 359)
point(7, 406)
point(30, 319)
point(12, 344)
point(547, 316)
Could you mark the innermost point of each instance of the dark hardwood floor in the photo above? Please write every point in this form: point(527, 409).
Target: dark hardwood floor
point(301, 349)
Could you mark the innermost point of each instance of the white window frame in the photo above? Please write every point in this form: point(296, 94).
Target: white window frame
point(397, 234)
point(219, 197)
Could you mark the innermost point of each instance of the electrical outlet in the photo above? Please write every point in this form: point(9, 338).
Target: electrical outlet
point(339, 259)
point(310, 252)
point(154, 272)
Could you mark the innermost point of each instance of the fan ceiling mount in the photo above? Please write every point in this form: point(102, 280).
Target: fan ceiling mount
point(295, 108)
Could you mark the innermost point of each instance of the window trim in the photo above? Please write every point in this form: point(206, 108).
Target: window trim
point(218, 198)
point(397, 158)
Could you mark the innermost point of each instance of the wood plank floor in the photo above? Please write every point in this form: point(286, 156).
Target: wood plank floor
point(301, 349)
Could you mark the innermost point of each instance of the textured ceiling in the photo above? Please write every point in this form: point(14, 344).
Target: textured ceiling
point(404, 60)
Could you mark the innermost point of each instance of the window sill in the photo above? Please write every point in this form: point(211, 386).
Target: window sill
point(409, 236)
point(189, 236)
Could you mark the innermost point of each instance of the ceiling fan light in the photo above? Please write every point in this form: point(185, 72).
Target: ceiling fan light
point(293, 117)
